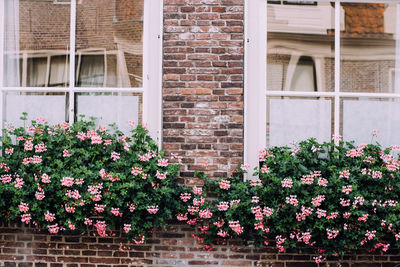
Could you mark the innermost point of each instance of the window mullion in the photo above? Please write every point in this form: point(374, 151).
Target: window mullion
point(2, 29)
point(72, 43)
point(337, 72)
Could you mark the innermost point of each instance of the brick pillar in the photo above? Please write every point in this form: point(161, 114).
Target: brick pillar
point(203, 84)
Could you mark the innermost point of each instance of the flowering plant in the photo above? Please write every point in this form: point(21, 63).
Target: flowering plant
point(334, 198)
point(71, 177)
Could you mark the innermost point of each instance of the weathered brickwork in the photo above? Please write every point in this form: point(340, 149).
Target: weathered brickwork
point(203, 84)
point(27, 247)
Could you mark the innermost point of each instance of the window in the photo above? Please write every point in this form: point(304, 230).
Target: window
point(65, 58)
point(321, 70)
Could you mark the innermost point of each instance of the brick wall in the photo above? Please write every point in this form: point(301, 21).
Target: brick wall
point(203, 84)
point(26, 247)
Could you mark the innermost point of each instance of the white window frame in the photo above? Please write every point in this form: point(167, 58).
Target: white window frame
point(152, 68)
point(255, 86)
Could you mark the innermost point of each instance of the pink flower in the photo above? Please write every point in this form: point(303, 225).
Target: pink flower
point(102, 128)
point(319, 259)
point(45, 178)
point(347, 189)
point(256, 182)
point(344, 174)
point(322, 182)
point(332, 233)
point(79, 181)
point(66, 153)
point(67, 181)
point(186, 196)
point(370, 235)
point(127, 228)
point(49, 216)
point(287, 182)
point(26, 218)
point(131, 207)
point(73, 194)
point(222, 233)
point(64, 125)
point(53, 229)
point(162, 162)
point(318, 200)
point(39, 195)
point(181, 217)
point(292, 200)
point(6, 178)
point(81, 136)
point(28, 146)
point(355, 152)
point(116, 212)
point(41, 120)
point(115, 156)
point(71, 226)
point(9, 151)
point(205, 214)
point(18, 183)
point(99, 208)
point(161, 176)
point(332, 216)
point(224, 184)
point(69, 209)
point(363, 218)
point(152, 209)
point(321, 213)
point(197, 190)
point(130, 123)
point(255, 199)
point(223, 206)
point(23, 207)
point(136, 171)
point(40, 148)
point(101, 227)
point(235, 226)
point(96, 139)
point(245, 167)
point(88, 221)
point(265, 169)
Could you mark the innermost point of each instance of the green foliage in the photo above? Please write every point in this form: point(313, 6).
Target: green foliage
point(332, 197)
point(72, 172)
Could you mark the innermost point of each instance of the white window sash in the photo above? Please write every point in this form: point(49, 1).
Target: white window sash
point(255, 88)
point(152, 68)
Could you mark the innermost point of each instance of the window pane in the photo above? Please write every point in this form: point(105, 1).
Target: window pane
point(370, 47)
point(52, 106)
point(59, 71)
point(292, 120)
point(110, 108)
point(109, 43)
point(34, 30)
point(300, 46)
point(362, 116)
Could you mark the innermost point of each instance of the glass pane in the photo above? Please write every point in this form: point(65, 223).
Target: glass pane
point(362, 116)
point(291, 120)
point(109, 43)
point(370, 46)
point(300, 46)
point(111, 108)
point(34, 31)
point(36, 72)
point(51, 106)
point(59, 71)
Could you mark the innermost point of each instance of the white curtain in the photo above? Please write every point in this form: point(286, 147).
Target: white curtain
point(11, 43)
point(36, 72)
point(59, 71)
point(91, 73)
